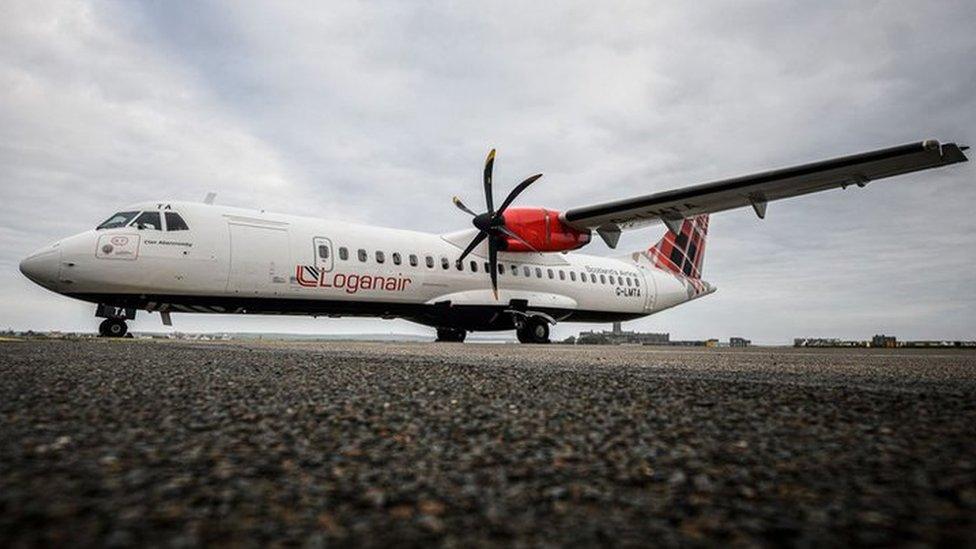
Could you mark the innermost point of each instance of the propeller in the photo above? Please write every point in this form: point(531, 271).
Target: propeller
point(491, 224)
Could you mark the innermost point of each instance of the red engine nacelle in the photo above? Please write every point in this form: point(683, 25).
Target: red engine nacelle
point(542, 229)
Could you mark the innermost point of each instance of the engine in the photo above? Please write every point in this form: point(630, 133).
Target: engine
point(542, 229)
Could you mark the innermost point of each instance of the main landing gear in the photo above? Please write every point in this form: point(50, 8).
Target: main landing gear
point(534, 329)
point(113, 327)
point(451, 334)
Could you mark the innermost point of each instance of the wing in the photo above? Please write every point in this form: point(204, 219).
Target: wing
point(671, 207)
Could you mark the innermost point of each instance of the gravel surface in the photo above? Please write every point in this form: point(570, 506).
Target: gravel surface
point(134, 442)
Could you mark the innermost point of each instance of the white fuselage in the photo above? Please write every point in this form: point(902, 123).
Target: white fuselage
point(245, 261)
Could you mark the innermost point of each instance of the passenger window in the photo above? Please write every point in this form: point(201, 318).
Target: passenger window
point(380, 258)
point(550, 273)
point(562, 275)
point(362, 254)
point(148, 220)
point(343, 253)
point(396, 258)
point(458, 265)
point(324, 251)
point(430, 261)
point(501, 269)
point(538, 272)
point(413, 260)
point(120, 219)
point(514, 270)
point(628, 281)
point(487, 267)
point(474, 266)
point(636, 282)
point(526, 271)
point(174, 222)
point(603, 279)
point(445, 263)
point(572, 275)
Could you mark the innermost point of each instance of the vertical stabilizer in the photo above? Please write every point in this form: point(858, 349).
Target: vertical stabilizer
point(682, 252)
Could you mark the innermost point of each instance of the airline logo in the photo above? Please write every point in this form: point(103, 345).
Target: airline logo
point(313, 277)
point(117, 246)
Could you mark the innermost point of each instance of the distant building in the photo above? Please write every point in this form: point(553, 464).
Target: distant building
point(619, 336)
point(826, 342)
point(882, 341)
point(888, 342)
point(938, 344)
point(739, 342)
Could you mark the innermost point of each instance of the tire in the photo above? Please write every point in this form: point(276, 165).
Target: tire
point(535, 330)
point(452, 335)
point(113, 327)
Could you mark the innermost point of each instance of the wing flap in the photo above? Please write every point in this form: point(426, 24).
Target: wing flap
point(758, 189)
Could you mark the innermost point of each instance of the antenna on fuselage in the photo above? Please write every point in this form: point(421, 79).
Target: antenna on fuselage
point(210, 198)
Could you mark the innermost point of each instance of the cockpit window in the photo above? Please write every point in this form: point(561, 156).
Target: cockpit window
point(175, 223)
point(120, 219)
point(148, 220)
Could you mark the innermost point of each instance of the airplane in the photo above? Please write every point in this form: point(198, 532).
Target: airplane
point(513, 270)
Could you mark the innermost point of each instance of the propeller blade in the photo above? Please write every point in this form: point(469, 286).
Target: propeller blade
point(493, 264)
point(462, 207)
point(517, 191)
point(474, 242)
point(489, 166)
point(512, 234)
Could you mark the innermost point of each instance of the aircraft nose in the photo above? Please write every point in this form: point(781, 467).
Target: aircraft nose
point(42, 267)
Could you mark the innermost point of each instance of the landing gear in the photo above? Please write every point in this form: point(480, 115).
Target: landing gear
point(534, 330)
point(113, 327)
point(451, 334)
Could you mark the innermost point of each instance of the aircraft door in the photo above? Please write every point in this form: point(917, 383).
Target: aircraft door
point(650, 289)
point(260, 262)
point(324, 254)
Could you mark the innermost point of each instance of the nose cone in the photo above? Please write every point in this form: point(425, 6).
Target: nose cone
point(43, 266)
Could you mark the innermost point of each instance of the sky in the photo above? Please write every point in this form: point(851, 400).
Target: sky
point(380, 112)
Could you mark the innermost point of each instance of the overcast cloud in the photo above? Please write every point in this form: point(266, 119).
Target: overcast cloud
point(380, 112)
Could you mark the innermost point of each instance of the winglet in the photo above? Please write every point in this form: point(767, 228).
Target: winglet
point(210, 198)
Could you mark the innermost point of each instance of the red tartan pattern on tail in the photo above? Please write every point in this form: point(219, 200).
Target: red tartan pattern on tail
point(682, 254)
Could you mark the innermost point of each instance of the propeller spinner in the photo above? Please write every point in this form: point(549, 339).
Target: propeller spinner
point(491, 224)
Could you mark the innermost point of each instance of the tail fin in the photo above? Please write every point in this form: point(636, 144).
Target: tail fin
point(682, 254)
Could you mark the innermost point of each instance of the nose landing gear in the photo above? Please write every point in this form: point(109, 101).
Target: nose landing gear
point(114, 324)
point(113, 327)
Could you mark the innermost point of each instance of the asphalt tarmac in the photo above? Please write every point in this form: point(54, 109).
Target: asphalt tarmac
point(119, 443)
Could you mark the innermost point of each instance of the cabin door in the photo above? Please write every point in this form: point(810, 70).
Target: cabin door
point(324, 254)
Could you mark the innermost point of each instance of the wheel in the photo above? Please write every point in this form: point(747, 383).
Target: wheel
point(451, 334)
point(113, 327)
point(535, 330)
